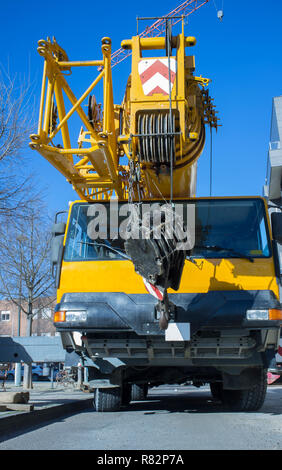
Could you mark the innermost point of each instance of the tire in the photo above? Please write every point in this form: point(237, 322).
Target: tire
point(251, 399)
point(139, 392)
point(107, 399)
point(216, 390)
point(126, 394)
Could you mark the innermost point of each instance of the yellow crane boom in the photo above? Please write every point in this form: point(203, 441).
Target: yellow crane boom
point(149, 125)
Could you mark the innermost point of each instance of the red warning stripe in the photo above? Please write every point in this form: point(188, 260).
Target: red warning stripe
point(157, 67)
point(157, 89)
point(153, 290)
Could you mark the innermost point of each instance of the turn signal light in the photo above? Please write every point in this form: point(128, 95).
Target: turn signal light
point(275, 314)
point(59, 316)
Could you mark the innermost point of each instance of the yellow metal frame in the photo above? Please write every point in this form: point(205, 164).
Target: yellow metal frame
point(93, 167)
point(186, 98)
point(95, 175)
point(179, 98)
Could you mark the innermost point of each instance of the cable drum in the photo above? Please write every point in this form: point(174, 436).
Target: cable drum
point(155, 137)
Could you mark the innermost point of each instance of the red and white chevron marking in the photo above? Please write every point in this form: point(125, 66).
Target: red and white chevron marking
point(154, 75)
point(153, 290)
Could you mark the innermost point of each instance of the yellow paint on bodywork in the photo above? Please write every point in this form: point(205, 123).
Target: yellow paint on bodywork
point(203, 276)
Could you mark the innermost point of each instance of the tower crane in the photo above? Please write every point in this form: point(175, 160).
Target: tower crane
point(159, 26)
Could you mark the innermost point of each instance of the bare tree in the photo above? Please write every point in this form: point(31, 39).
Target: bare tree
point(16, 123)
point(14, 119)
point(25, 275)
point(25, 262)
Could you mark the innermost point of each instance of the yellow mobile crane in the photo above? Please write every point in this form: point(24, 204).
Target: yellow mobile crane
point(214, 314)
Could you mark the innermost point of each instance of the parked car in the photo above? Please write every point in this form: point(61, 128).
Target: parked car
point(37, 373)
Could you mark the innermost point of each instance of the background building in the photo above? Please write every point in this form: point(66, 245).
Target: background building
point(272, 188)
point(42, 324)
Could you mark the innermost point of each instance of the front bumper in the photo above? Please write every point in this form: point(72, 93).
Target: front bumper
point(136, 313)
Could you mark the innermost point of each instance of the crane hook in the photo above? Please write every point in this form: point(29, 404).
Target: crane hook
point(220, 14)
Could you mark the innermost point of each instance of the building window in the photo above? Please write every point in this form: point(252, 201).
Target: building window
point(35, 313)
point(46, 312)
point(5, 315)
point(42, 312)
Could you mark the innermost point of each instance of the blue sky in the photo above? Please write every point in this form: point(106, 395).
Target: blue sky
point(241, 55)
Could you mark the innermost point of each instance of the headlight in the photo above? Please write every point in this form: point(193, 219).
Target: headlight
point(76, 316)
point(70, 315)
point(257, 315)
point(272, 314)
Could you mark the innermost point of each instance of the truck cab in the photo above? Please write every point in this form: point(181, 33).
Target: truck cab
point(224, 327)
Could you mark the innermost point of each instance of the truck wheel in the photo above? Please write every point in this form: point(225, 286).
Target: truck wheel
point(107, 399)
point(251, 399)
point(216, 390)
point(126, 394)
point(139, 392)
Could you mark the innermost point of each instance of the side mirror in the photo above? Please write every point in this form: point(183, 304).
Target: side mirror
point(276, 223)
point(58, 232)
point(58, 229)
point(56, 247)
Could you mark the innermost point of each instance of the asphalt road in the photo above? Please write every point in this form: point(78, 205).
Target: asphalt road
point(173, 418)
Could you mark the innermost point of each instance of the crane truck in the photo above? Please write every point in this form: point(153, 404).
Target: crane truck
point(155, 285)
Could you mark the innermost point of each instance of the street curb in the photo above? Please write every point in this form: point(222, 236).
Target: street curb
point(20, 421)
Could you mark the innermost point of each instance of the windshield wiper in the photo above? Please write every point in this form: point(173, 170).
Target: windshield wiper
point(229, 250)
point(109, 247)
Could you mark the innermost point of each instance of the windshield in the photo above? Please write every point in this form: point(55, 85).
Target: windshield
point(224, 228)
point(231, 228)
point(82, 245)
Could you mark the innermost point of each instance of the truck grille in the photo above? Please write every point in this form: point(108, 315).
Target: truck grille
point(205, 348)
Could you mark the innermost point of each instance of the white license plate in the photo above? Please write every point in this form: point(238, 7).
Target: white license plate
point(177, 332)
